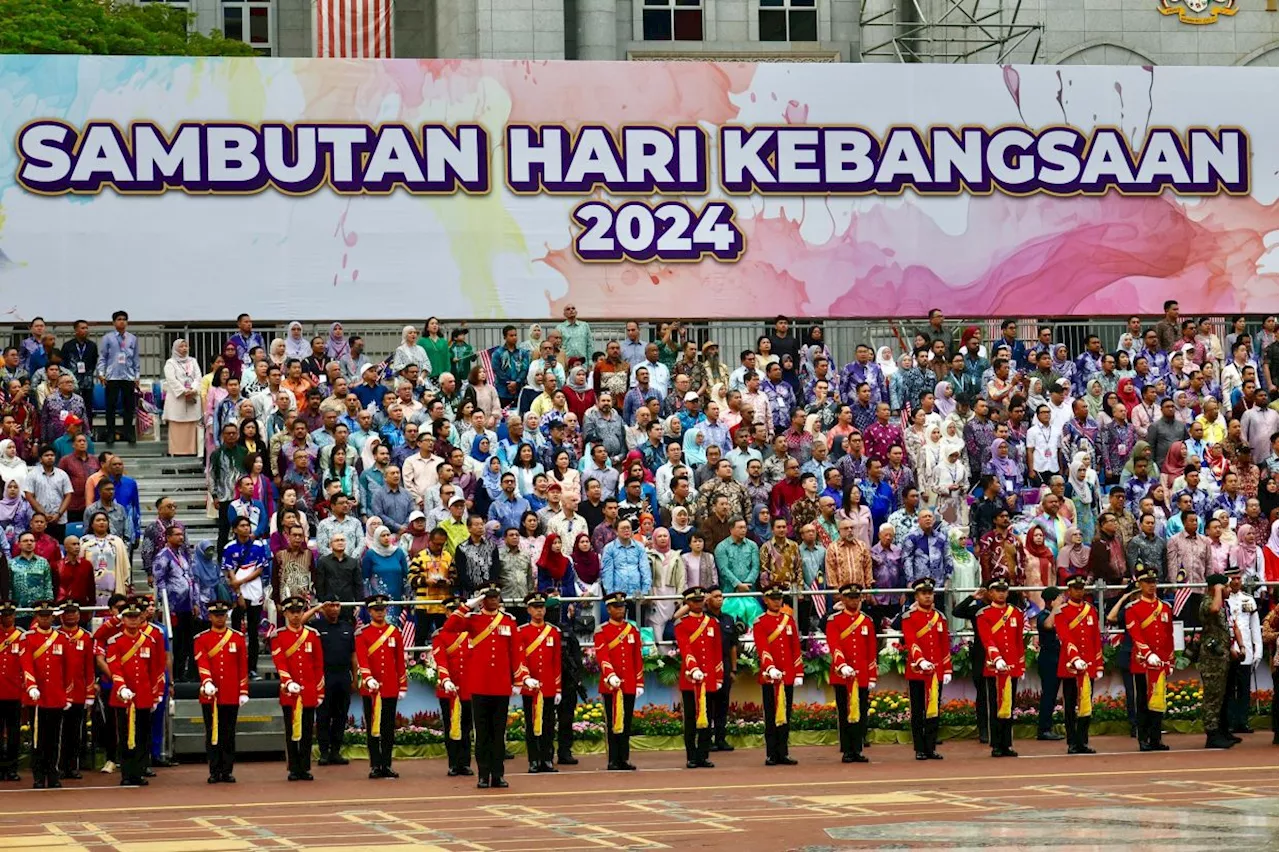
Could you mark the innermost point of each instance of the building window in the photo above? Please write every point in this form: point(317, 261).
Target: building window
point(248, 21)
point(672, 20)
point(788, 20)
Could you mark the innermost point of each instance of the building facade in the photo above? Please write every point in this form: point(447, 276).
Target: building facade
point(1092, 32)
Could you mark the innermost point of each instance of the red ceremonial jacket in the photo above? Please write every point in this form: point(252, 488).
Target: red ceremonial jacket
point(542, 657)
point(449, 649)
point(223, 659)
point(44, 666)
point(496, 661)
point(11, 666)
point(1150, 626)
point(80, 650)
point(852, 640)
point(137, 662)
point(927, 638)
point(1080, 634)
point(777, 640)
point(618, 653)
point(380, 655)
point(298, 657)
point(698, 638)
point(1000, 628)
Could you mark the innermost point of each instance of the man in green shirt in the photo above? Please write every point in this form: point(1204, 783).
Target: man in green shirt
point(738, 560)
point(576, 335)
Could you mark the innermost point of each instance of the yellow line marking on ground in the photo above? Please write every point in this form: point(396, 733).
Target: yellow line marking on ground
point(41, 841)
point(222, 845)
point(867, 799)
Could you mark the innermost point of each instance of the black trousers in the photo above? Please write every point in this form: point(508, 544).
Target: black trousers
point(458, 751)
point(1237, 702)
point(84, 386)
point(184, 634)
point(331, 715)
point(10, 731)
point(1049, 684)
point(540, 749)
point(1001, 729)
point(980, 702)
point(133, 761)
point(720, 718)
point(298, 754)
point(246, 619)
point(619, 745)
point(121, 397)
point(1149, 721)
point(924, 731)
point(1190, 614)
point(222, 757)
point(224, 530)
point(382, 741)
point(564, 718)
point(46, 737)
point(697, 741)
point(852, 734)
point(1077, 725)
point(489, 715)
point(775, 735)
point(72, 739)
point(1130, 696)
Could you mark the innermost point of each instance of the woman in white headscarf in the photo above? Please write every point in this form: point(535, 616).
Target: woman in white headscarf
point(534, 340)
point(182, 400)
point(275, 352)
point(884, 360)
point(12, 467)
point(950, 481)
point(409, 352)
point(296, 344)
point(1086, 493)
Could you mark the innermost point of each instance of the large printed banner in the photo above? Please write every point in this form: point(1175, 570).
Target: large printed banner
point(318, 189)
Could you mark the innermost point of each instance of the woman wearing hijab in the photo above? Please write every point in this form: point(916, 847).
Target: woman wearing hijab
point(1094, 398)
point(296, 344)
point(1073, 557)
point(967, 573)
point(578, 393)
point(12, 467)
point(385, 568)
point(1035, 394)
point(1175, 462)
point(409, 352)
point(1182, 408)
point(1129, 346)
point(668, 579)
point(337, 346)
point(182, 400)
point(555, 569)
point(1061, 364)
point(884, 360)
point(586, 576)
point(1086, 493)
point(533, 343)
point(944, 400)
point(1247, 558)
point(1042, 565)
point(1004, 468)
point(695, 447)
point(435, 343)
point(681, 530)
point(108, 556)
point(760, 525)
point(949, 481)
point(276, 350)
point(15, 513)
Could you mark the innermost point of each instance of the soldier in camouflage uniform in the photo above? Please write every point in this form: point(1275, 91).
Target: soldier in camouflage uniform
point(1215, 648)
point(723, 484)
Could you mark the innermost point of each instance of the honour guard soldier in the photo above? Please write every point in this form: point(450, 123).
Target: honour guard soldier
point(542, 643)
point(83, 691)
point(851, 636)
point(1080, 635)
point(137, 665)
point(928, 643)
point(46, 683)
point(300, 663)
point(10, 691)
point(104, 732)
point(1001, 628)
point(1149, 623)
point(777, 639)
point(383, 681)
point(449, 649)
point(495, 672)
point(617, 643)
point(701, 676)
point(222, 664)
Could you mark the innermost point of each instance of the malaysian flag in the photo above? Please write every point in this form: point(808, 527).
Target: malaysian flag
point(353, 29)
point(819, 601)
point(1180, 599)
point(408, 628)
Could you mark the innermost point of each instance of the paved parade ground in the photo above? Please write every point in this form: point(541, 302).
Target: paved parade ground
point(1187, 798)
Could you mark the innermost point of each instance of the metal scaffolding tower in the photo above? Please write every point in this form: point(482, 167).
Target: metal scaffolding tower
point(947, 31)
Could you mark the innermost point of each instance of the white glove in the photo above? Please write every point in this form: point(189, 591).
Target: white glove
point(448, 686)
point(88, 702)
point(209, 688)
point(126, 694)
point(871, 684)
point(639, 691)
point(66, 706)
point(532, 684)
point(515, 689)
point(1001, 665)
point(773, 673)
point(293, 688)
point(371, 684)
point(697, 676)
point(1153, 660)
point(614, 681)
point(402, 695)
point(33, 693)
point(472, 603)
point(946, 679)
point(557, 699)
point(244, 699)
point(1081, 665)
point(926, 666)
point(799, 681)
point(845, 671)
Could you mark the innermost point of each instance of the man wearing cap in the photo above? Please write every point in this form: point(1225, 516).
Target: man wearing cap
point(338, 649)
point(47, 691)
point(222, 665)
point(450, 649)
point(542, 656)
point(714, 371)
point(777, 640)
point(617, 644)
point(1079, 662)
point(928, 642)
point(495, 672)
point(299, 662)
point(1149, 623)
point(105, 733)
point(383, 681)
point(82, 690)
point(1001, 628)
point(1217, 647)
point(137, 665)
point(702, 675)
point(851, 636)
